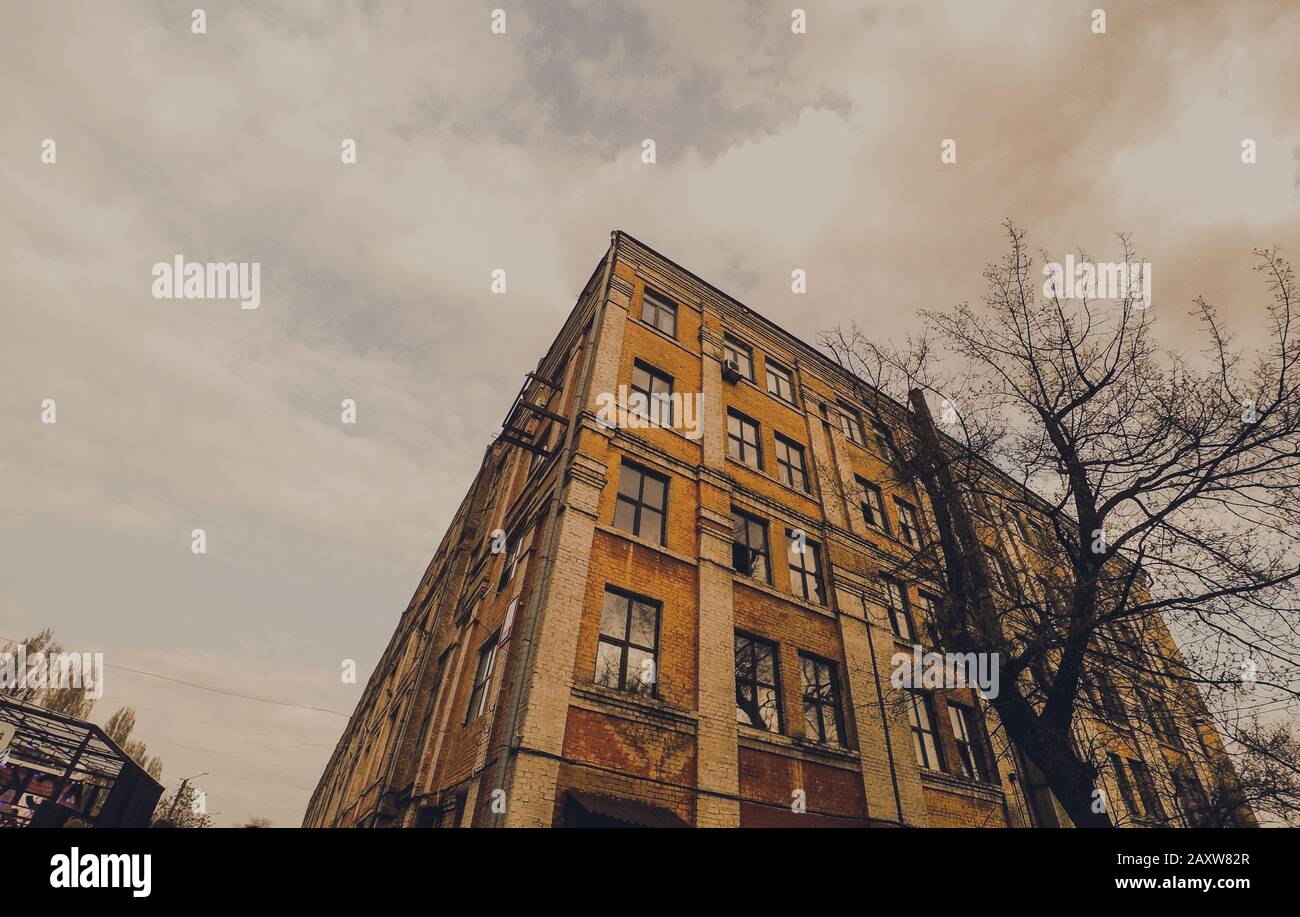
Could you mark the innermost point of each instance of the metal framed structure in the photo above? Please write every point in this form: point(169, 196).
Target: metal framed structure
point(58, 771)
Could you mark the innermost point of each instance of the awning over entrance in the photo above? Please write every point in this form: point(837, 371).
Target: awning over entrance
point(596, 811)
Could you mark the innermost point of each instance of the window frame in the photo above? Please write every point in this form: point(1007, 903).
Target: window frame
point(883, 435)
point(819, 702)
point(1153, 808)
point(802, 572)
point(851, 425)
point(909, 520)
point(968, 739)
point(655, 374)
point(868, 489)
point(903, 610)
point(772, 369)
point(483, 669)
point(625, 643)
point(757, 445)
point(786, 468)
point(660, 304)
point(754, 682)
point(639, 503)
point(748, 520)
point(922, 703)
point(731, 349)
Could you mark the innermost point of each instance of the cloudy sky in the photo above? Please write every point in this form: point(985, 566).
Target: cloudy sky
point(519, 151)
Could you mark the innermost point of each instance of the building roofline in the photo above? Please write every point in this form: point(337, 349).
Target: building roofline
point(830, 365)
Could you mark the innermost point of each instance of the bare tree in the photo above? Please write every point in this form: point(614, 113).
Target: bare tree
point(73, 699)
point(1151, 489)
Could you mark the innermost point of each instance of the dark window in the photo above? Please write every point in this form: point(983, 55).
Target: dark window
point(629, 639)
point(450, 812)
point(511, 562)
point(739, 356)
point(749, 553)
point(971, 750)
point(742, 439)
point(873, 505)
point(657, 389)
point(921, 712)
point(658, 311)
point(779, 382)
point(805, 567)
point(431, 704)
point(790, 465)
point(1125, 788)
point(908, 530)
point(642, 503)
point(900, 615)
point(929, 606)
point(1111, 703)
point(758, 684)
point(999, 572)
point(482, 676)
point(821, 700)
point(1151, 805)
point(851, 424)
point(884, 441)
point(1162, 721)
point(1192, 799)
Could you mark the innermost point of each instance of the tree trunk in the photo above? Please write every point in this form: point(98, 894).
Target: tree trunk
point(1048, 746)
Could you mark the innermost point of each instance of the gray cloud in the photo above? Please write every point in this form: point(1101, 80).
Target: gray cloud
point(519, 151)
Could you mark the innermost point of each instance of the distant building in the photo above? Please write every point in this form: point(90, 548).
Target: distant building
point(687, 623)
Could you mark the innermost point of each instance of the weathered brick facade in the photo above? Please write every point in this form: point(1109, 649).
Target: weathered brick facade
point(522, 574)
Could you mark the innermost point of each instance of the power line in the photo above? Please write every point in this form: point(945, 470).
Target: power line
point(214, 690)
point(202, 687)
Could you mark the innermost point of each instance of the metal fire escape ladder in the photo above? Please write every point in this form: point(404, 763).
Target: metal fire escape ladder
point(526, 410)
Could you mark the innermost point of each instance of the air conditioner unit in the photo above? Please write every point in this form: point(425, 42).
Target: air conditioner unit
point(731, 372)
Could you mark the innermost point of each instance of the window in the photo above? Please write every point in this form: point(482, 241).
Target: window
point(758, 684)
point(1125, 788)
point(512, 562)
point(1162, 721)
point(658, 311)
point(873, 505)
point(450, 812)
point(642, 503)
point(921, 711)
point(738, 355)
point(629, 638)
point(657, 390)
point(779, 382)
point(821, 700)
point(749, 546)
point(431, 704)
point(482, 675)
point(790, 465)
point(900, 615)
point(970, 747)
point(884, 441)
point(908, 530)
point(1151, 805)
point(851, 424)
point(999, 572)
point(929, 606)
point(742, 439)
point(805, 567)
point(1192, 799)
point(1111, 703)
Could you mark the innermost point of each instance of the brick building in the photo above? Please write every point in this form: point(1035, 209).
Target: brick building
point(690, 622)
